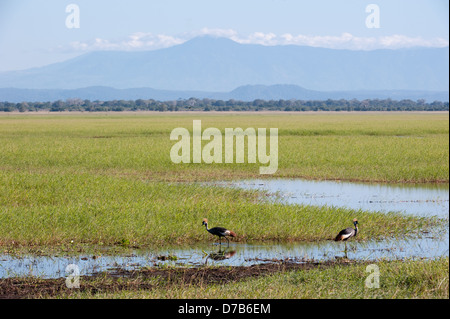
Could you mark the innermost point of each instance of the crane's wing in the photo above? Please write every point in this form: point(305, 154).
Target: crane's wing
point(221, 231)
point(345, 234)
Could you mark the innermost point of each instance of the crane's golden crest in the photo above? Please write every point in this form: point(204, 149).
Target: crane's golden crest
point(205, 220)
point(355, 220)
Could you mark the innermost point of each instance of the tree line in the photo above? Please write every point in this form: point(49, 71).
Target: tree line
point(194, 104)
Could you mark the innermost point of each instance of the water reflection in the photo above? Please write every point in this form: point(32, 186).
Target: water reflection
point(220, 254)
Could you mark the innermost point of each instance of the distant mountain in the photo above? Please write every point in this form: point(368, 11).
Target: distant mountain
point(221, 65)
point(286, 92)
point(101, 93)
point(243, 93)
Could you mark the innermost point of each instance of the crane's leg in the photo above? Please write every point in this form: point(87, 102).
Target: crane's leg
point(227, 241)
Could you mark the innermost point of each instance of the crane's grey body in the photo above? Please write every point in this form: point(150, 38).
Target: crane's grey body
point(219, 231)
point(347, 233)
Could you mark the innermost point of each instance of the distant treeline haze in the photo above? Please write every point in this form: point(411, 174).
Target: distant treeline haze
point(194, 104)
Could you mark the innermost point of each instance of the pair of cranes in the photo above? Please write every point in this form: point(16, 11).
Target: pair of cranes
point(343, 235)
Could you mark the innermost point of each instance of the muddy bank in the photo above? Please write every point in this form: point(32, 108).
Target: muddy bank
point(119, 279)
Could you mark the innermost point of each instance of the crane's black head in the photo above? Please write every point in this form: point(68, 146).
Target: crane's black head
point(205, 222)
point(355, 222)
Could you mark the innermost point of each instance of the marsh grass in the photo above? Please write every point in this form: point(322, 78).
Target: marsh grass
point(400, 279)
point(106, 179)
point(412, 279)
point(53, 209)
point(399, 147)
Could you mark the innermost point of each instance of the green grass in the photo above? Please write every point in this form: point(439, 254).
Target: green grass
point(101, 179)
point(421, 279)
point(400, 147)
point(53, 209)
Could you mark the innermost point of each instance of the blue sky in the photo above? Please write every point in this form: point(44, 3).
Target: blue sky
point(34, 32)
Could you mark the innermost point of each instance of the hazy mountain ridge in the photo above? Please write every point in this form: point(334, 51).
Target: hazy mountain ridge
point(243, 93)
point(220, 65)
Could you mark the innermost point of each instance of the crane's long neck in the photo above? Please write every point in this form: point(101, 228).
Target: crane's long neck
point(356, 229)
point(206, 226)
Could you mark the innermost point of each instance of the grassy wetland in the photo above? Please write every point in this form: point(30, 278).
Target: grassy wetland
point(76, 180)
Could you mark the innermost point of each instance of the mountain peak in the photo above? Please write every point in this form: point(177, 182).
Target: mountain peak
point(209, 40)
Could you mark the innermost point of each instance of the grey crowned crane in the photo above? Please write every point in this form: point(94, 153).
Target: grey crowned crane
point(219, 231)
point(347, 233)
